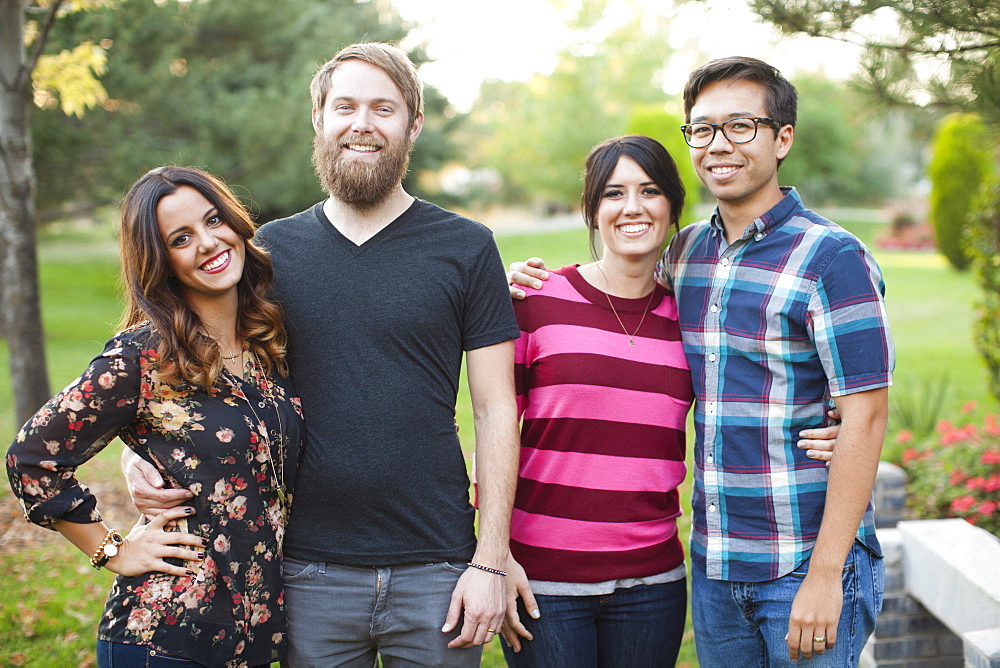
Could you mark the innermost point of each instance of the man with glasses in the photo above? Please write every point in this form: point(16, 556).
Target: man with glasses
point(782, 315)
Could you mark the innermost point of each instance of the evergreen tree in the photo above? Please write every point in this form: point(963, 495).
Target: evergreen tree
point(219, 84)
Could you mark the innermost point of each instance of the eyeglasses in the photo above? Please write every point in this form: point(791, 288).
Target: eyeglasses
point(736, 130)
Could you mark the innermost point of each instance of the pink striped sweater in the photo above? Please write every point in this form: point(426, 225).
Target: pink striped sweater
point(602, 436)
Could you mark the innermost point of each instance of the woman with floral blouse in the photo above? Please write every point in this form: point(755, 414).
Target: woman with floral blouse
point(195, 385)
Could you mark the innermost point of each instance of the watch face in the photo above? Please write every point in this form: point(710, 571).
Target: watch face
point(116, 539)
point(110, 550)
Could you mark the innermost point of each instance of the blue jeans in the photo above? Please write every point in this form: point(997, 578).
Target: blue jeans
point(122, 655)
point(638, 626)
point(346, 616)
point(750, 619)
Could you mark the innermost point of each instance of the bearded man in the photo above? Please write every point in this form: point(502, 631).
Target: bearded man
point(380, 549)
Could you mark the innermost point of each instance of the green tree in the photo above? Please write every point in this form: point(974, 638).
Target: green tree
point(69, 79)
point(536, 134)
point(221, 84)
point(962, 162)
point(963, 35)
point(845, 153)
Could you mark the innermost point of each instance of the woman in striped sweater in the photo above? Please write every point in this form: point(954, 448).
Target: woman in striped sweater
point(603, 391)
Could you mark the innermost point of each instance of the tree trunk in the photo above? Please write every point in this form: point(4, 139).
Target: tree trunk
point(20, 308)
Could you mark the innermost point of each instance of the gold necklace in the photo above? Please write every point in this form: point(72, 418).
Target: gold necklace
point(230, 358)
point(607, 284)
point(278, 474)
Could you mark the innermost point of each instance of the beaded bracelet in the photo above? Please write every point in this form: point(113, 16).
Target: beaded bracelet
point(495, 571)
point(107, 549)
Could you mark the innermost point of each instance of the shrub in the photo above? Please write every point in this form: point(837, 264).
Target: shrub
point(984, 248)
point(957, 476)
point(962, 162)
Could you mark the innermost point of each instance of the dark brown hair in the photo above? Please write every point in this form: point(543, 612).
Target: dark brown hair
point(650, 155)
point(153, 295)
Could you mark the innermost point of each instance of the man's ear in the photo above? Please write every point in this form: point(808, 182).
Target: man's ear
point(317, 120)
point(418, 125)
point(784, 138)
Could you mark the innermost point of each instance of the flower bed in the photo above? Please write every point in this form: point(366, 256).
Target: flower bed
point(956, 475)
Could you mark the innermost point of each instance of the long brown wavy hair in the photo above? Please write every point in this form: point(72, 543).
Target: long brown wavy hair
point(153, 295)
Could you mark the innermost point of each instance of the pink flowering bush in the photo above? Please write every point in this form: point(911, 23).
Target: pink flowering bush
point(958, 475)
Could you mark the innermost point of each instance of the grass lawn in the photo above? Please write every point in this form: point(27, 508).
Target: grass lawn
point(50, 599)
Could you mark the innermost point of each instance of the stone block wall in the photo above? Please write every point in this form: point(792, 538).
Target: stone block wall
point(945, 565)
point(906, 634)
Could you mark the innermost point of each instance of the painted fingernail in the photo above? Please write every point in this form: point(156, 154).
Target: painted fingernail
point(189, 572)
point(189, 511)
point(201, 555)
point(204, 541)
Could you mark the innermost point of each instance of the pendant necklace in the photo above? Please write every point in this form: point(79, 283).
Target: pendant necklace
point(277, 473)
point(631, 337)
point(229, 358)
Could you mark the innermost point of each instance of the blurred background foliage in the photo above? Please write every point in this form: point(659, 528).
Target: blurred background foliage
point(223, 85)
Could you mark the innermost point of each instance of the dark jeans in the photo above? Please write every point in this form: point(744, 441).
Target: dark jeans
point(638, 626)
point(122, 655)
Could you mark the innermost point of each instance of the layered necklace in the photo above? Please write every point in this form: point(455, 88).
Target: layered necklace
point(607, 285)
point(277, 472)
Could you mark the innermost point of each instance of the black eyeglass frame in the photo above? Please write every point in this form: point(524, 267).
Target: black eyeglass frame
point(757, 121)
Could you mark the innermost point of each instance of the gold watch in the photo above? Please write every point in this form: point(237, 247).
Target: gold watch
point(107, 549)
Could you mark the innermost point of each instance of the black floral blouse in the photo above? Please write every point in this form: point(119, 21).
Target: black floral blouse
point(232, 611)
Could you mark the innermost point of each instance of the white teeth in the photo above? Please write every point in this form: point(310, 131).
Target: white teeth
point(634, 228)
point(216, 263)
point(364, 148)
point(722, 170)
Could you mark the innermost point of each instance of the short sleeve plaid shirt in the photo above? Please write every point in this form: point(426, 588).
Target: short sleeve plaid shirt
point(774, 326)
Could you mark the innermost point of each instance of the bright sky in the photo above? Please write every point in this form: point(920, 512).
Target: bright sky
point(474, 39)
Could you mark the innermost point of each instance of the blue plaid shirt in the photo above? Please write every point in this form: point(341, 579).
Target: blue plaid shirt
point(774, 326)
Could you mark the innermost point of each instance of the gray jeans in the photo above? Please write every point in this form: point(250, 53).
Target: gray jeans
point(347, 616)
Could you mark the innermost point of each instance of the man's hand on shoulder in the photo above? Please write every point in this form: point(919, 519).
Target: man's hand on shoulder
point(529, 274)
point(480, 595)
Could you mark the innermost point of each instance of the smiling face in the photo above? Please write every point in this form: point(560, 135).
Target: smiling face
point(363, 135)
point(204, 253)
point(633, 217)
point(743, 177)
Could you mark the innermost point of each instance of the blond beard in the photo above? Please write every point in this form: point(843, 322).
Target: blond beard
point(361, 184)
